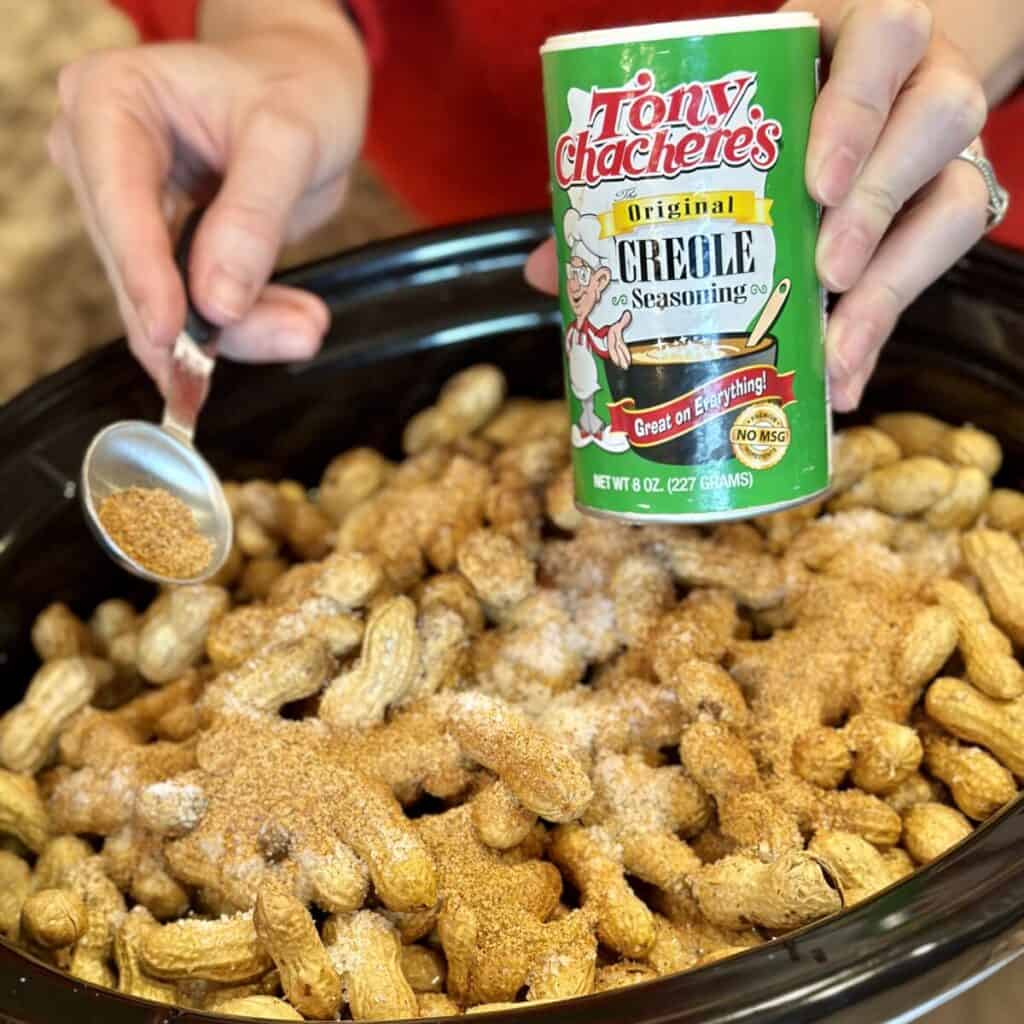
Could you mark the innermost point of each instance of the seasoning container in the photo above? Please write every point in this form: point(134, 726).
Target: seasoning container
point(693, 317)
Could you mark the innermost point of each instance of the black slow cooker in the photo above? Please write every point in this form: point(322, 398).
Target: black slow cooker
point(405, 316)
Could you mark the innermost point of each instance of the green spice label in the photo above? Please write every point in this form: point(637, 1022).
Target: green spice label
point(693, 338)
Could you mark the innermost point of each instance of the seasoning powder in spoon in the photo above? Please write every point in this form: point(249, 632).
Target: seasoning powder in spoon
point(157, 530)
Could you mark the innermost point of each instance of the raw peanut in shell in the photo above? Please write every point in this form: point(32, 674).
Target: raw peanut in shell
point(722, 764)
point(998, 726)
point(986, 650)
point(624, 923)
point(22, 811)
point(424, 968)
point(285, 927)
point(929, 830)
point(226, 950)
point(739, 891)
point(560, 502)
point(905, 488)
point(15, 886)
point(622, 975)
point(858, 451)
point(543, 775)
point(429, 428)
point(497, 568)
point(473, 396)
point(962, 506)
point(899, 863)
point(925, 647)
point(57, 692)
point(919, 434)
point(366, 953)
point(856, 865)
point(980, 785)
point(349, 479)
point(172, 639)
point(105, 907)
point(1005, 510)
point(277, 676)
point(53, 918)
point(821, 756)
point(131, 978)
point(885, 753)
point(59, 633)
point(386, 670)
point(55, 863)
point(916, 789)
point(501, 821)
point(998, 562)
point(259, 1007)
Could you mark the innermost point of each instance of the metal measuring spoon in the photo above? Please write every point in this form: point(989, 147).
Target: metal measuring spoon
point(134, 453)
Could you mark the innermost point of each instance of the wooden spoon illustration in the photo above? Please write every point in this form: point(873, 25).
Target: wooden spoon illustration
point(770, 313)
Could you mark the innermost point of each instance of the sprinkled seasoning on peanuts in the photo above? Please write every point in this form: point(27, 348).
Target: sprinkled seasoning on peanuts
point(157, 530)
point(462, 747)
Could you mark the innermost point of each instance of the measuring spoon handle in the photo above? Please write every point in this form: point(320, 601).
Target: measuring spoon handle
point(195, 349)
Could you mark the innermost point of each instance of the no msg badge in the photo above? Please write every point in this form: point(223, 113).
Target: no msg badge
point(760, 436)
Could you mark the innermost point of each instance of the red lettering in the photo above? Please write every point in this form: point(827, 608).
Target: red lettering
point(737, 146)
point(691, 150)
point(713, 152)
point(565, 151)
point(635, 148)
point(647, 113)
point(607, 104)
point(684, 104)
point(637, 132)
point(609, 159)
point(766, 146)
point(725, 104)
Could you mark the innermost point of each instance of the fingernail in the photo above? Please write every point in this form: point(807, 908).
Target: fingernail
point(856, 385)
point(836, 174)
point(147, 322)
point(851, 347)
point(227, 294)
point(843, 257)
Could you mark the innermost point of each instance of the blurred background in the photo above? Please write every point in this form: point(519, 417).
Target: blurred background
point(55, 303)
point(54, 300)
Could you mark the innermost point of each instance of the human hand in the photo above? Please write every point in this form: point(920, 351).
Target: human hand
point(269, 116)
point(899, 104)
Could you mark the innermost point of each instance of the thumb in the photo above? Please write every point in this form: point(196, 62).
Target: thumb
point(541, 270)
point(626, 319)
point(270, 166)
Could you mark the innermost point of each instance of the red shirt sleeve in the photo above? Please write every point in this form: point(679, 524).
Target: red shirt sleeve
point(159, 20)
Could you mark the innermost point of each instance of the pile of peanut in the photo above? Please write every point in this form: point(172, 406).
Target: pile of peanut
point(434, 742)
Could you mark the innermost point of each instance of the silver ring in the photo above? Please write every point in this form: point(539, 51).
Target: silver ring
point(998, 197)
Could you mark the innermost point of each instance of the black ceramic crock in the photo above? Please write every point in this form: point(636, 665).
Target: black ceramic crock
point(405, 316)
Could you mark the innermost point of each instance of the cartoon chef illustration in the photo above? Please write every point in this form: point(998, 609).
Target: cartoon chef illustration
point(587, 275)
